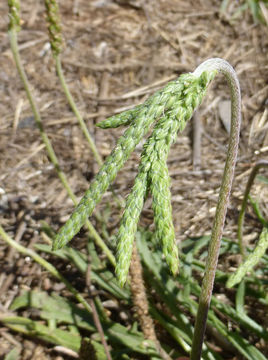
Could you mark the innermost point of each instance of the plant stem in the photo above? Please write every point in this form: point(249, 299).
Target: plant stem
point(53, 158)
point(208, 281)
point(76, 111)
point(260, 164)
point(50, 268)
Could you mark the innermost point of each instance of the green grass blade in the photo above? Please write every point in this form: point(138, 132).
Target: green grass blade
point(36, 329)
point(251, 261)
point(263, 179)
point(65, 312)
point(257, 211)
point(249, 351)
point(14, 354)
point(104, 278)
point(54, 308)
point(240, 298)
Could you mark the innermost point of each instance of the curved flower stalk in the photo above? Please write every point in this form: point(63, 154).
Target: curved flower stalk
point(259, 165)
point(213, 253)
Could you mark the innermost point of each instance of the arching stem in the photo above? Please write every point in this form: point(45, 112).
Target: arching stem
point(208, 281)
point(260, 164)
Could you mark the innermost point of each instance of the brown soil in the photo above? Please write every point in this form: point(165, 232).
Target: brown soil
point(116, 54)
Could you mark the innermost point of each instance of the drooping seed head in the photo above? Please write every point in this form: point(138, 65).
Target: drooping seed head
point(186, 92)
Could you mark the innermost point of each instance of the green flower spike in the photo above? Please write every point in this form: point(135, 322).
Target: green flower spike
point(128, 225)
point(14, 15)
point(122, 119)
point(153, 162)
point(54, 27)
point(164, 229)
point(170, 108)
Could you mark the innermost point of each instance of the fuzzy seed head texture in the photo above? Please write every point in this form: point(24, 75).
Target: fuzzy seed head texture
point(128, 226)
point(123, 119)
point(54, 26)
point(153, 170)
point(170, 108)
point(14, 15)
point(164, 228)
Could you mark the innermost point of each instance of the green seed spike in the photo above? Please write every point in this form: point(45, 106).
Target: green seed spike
point(54, 27)
point(153, 170)
point(125, 145)
point(164, 229)
point(122, 119)
point(128, 226)
point(251, 261)
point(187, 90)
point(14, 15)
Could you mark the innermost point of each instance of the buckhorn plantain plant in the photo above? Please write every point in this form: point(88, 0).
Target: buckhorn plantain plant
point(170, 109)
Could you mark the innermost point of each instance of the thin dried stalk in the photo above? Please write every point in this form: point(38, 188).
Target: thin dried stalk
point(140, 301)
point(139, 297)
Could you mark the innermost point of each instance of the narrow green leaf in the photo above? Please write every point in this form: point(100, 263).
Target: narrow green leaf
point(14, 354)
point(257, 210)
point(64, 311)
point(36, 329)
point(249, 351)
point(240, 298)
point(262, 178)
point(251, 261)
point(54, 308)
point(104, 278)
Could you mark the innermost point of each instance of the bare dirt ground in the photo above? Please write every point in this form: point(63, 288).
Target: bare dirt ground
point(116, 54)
